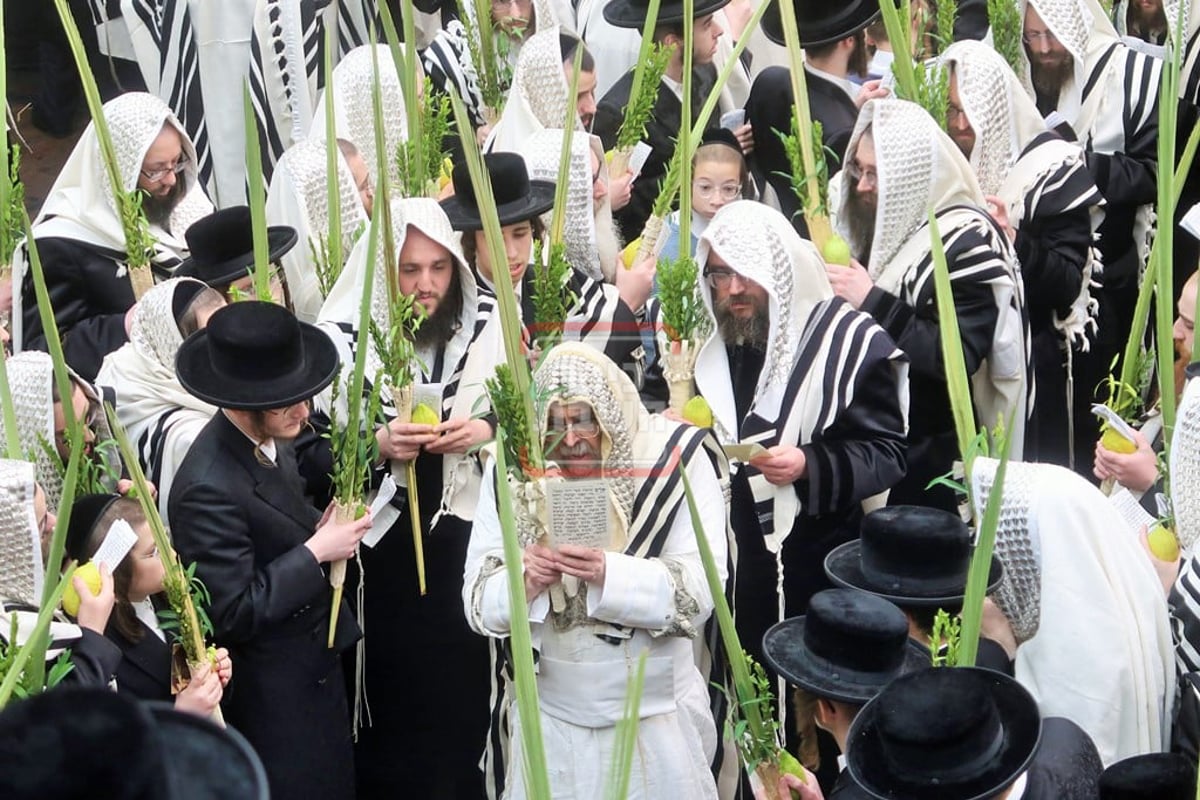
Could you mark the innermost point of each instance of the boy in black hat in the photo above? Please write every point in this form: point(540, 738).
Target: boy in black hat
point(663, 127)
point(239, 512)
point(963, 733)
point(843, 652)
point(222, 254)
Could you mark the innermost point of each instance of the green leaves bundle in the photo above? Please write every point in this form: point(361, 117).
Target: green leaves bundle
point(927, 85)
point(647, 75)
point(552, 295)
point(489, 54)
point(1005, 19)
point(799, 177)
point(679, 298)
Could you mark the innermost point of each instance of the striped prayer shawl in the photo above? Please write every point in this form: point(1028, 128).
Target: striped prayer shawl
point(836, 344)
point(448, 66)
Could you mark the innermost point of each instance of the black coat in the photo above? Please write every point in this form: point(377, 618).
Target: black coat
point(661, 132)
point(145, 668)
point(244, 526)
point(769, 109)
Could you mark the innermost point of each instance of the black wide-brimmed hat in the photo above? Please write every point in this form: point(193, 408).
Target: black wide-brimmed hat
point(517, 198)
point(256, 356)
point(821, 22)
point(632, 13)
point(222, 246)
point(911, 555)
point(77, 743)
point(947, 733)
point(85, 513)
point(1154, 776)
point(847, 647)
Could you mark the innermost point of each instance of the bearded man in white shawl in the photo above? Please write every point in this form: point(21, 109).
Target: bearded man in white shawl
point(595, 610)
point(81, 240)
point(1040, 188)
point(159, 416)
point(899, 167)
point(1086, 608)
point(457, 346)
point(823, 388)
point(1080, 73)
point(299, 198)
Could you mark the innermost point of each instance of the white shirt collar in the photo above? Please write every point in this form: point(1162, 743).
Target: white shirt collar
point(845, 83)
point(674, 85)
point(266, 447)
point(1018, 787)
point(144, 611)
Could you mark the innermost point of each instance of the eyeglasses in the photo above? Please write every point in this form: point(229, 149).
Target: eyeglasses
point(584, 429)
point(720, 278)
point(727, 191)
point(154, 176)
point(856, 174)
point(1033, 37)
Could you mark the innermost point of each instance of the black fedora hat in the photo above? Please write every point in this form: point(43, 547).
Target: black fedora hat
point(222, 246)
point(950, 733)
point(911, 555)
point(847, 647)
point(81, 743)
point(256, 356)
point(517, 198)
point(821, 22)
point(632, 13)
point(1154, 776)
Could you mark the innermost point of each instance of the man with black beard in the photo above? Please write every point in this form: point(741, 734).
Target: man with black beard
point(457, 346)
point(819, 385)
point(82, 242)
point(835, 49)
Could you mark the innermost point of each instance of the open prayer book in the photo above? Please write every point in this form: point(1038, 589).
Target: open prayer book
point(578, 512)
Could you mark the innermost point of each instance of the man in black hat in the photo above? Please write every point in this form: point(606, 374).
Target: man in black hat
point(239, 513)
point(663, 127)
point(917, 558)
point(847, 647)
point(1153, 776)
point(835, 49)
point(222, 254)
point(964, 733)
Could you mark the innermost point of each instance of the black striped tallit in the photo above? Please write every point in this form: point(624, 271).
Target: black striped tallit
point(447, 63)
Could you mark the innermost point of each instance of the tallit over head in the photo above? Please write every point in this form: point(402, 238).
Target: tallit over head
point(30, 376)
point(1085, 605)
point(1086, 33)
point(539, 97)
point(919, 168)
point(21, 567)
point(354, 110)
point(299, 197)
point(1185, 466)
point(1003, 116)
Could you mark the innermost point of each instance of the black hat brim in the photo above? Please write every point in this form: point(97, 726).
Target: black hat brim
point(1019, 717)
point(843, 565)
point(280, 239)
point(785, 651)
point(200, 757)
point(849, 18)
point(466, 217)
point(623, 14)
point(197, 376)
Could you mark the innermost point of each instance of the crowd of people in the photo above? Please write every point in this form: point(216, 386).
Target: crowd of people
point(827, 478)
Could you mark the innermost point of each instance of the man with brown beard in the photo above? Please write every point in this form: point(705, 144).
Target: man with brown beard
point(1142, 25)
point(82, 242)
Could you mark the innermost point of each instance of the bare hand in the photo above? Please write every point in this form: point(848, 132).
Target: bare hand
point(336, 541)
point(404, 440)
point(745, 136)
point(870, 90)
point(999, 211)
point(482, 133)
point(585, 563)
point(202, 694)
point(459, 435)
point(620, 190)
point(224, 666)
point(788, 786)
point(635, 284)
point(851, 283)
point(737, 15)
point(1136, 471)
point(94, 610)
point(781, 464)
point(541, 570)
point(125, 486)
point(674, 415)
point(1167, 571)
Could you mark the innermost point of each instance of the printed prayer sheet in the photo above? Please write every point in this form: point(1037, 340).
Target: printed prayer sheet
point(578, 512)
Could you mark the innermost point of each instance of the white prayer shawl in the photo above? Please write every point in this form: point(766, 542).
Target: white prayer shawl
point(159, 416)
point(815, 346)
point(539, 96)
point(21, 566)
point(1185, 504)
point(920, 169)
point(587, 231)
point(655, 598)
point(354, 112)
point(299, 197)
point(470, 355)
point(1120, 20)
point(1086, 606)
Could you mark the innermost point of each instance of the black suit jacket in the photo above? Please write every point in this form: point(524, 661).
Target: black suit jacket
point(145, 668)
point(244, 525)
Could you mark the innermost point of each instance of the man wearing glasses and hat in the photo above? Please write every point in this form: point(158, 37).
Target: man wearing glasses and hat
point(239, 512)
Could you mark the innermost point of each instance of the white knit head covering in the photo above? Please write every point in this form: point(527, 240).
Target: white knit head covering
point(153, 331)
point(760, 244)
point(21, 566)
point(919, 168)
point(1003, 116)
point(354, 109)
point(1083, 29)
point(1185, 466)
point(30, 376)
